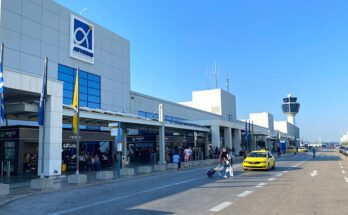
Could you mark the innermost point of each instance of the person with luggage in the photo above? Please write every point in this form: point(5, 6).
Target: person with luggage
point(230, 158)
point(225, 161)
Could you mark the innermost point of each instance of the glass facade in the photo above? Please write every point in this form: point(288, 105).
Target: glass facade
point(89, 86)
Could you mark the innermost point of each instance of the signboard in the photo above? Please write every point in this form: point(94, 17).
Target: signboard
point(114, 132)
point(119, 147)
point(81, 39)
point(282, 145)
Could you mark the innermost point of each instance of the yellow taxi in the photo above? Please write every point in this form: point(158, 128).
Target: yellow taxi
point(260, 159)
point(302, 149)
point(291, 149)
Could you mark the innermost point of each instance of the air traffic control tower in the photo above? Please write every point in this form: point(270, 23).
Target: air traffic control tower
point(290, 107)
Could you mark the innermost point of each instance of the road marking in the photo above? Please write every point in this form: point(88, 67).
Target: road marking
point(314, 173)
point(261, 185)
point(221, 206)
point(346, 179)
point(294, 166)
point(271, 179)
point(344, 172)
point(285, 171)
point(279, 174)
point(124, 197)
point(245, 193)
point(299, 164)
point(341, 167)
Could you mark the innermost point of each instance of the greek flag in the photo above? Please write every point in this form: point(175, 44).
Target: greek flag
point(2, 101)
point(43, 97)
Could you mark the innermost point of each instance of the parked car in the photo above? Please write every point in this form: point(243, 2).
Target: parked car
point(341, 149)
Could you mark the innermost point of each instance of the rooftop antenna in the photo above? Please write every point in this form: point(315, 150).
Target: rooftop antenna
point(216, 74)
point(227, 83)
point(84, 10)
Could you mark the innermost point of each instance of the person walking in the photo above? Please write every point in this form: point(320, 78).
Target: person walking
point(230, 160)
point(279, 152)
point(313, 150)
point(176, 158)
point(225, 161)
point(187, 154)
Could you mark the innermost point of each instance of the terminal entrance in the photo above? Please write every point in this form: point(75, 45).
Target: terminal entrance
point(143, 145)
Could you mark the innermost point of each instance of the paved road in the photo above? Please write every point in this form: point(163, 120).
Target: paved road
point(298, 185)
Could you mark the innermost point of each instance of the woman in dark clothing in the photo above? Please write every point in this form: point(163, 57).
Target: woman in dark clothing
point(225, 160)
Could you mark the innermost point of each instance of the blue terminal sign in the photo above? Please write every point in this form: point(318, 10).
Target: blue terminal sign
point(81, 39)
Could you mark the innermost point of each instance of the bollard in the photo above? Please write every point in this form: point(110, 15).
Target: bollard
point(8, 168)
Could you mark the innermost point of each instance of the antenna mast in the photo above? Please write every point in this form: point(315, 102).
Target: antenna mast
point(227, 83)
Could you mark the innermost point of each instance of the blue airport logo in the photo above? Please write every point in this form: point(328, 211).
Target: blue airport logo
point(81, 40)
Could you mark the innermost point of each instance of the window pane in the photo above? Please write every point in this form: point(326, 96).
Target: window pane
point(142, 113)
point(83, 74)
point(95, 99)
point(64, 77)
point(93, 105)
point(83, 89)
point(83, 97)
point(93, 84)
point(65, 69)
point(68, 86)
point(83, 103)
point(93, 92)
point(67, 101)
point(83, 82)
point(92, 77)
point(68, 93)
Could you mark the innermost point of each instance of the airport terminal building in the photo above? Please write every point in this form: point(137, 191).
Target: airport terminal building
point(32, 30)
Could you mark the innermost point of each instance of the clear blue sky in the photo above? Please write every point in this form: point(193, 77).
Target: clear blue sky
point(269, 48)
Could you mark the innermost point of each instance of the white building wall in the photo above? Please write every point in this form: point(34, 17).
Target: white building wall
point(141, 102)
point(215, 101)
point(33, 30)
point(263, 119)
point(288, 128)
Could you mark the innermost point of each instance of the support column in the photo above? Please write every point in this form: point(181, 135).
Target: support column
point(228, 137)
point(125, 144)
point(162, 143)
point(52, 154)
point(215, 136)
point(206, 145)
point(237, 136)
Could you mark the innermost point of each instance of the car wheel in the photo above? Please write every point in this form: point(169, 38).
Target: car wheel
point(268, 167)
point(273, 166)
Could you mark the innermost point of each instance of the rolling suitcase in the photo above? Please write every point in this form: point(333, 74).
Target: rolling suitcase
point(211, 172)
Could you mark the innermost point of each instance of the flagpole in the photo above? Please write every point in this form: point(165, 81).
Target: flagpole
point(43, 126)
point(2, 114)
point(78, 124)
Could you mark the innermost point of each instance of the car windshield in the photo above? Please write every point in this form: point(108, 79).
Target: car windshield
point(257, 155)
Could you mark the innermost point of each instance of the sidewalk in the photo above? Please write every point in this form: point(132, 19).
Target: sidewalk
point(20, 185)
